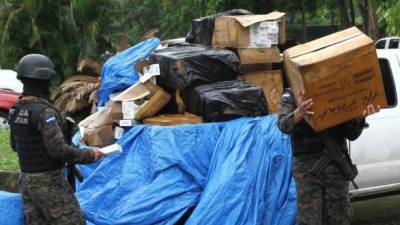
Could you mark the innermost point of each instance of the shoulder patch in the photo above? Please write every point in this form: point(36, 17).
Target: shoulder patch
point(51, 119)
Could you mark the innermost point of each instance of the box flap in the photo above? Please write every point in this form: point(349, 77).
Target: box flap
point(335, 50)
point(324, 42)
point(247, 20)
point(134, 92)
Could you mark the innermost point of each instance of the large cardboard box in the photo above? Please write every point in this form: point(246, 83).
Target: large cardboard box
point(249, 31)
point(272, 84)
point(139, 101)
point(340, 72)
point(97, 129)
point(151, 107)
point(133, 93)
point(259, 55)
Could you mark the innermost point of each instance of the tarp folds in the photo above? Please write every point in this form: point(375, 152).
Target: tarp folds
point(202, 28)
point(187, 66)
point(226, 100)
point(236, 172)
point(11, 211)
point(118, 72)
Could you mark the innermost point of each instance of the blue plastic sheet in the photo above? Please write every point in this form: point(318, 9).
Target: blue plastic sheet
point(236, 172)
point(118, 73)
point(11, 211)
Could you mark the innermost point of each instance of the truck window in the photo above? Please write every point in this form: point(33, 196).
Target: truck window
point(387, 77)
point(381, 44)
point(394, 43)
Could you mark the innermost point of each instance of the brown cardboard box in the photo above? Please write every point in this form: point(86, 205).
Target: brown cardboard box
point(116, 111)
point(272, 85)
point(157, 101)
point(99, 137)
point(340, 72)
point(134, 92)
point(97, 129)
point(235, 31)
point(259, 55)
point(173, 119)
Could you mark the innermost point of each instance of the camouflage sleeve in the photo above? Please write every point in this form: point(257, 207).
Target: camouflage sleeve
point(286, 109)
point(53, 138)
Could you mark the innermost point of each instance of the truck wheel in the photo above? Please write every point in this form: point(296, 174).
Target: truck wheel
point(3, 120)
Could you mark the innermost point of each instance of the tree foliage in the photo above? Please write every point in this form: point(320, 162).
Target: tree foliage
point(66, 31)
point(389, 16)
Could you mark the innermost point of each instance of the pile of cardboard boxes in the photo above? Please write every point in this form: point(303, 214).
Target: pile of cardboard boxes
point(242, 63)
point(255, 39)
point(177, 80)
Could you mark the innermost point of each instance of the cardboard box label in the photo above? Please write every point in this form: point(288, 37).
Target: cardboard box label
point(264, 34)
point(129, 109)
point(118, 132)
point(150, 72)
point(127, 123)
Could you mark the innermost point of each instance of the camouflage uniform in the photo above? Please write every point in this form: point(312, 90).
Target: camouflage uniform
point(47, 197)
point(322, 198)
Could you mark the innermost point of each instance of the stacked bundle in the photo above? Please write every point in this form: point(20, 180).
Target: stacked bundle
point(205, 74)
point(197, 70)
point(255, 39)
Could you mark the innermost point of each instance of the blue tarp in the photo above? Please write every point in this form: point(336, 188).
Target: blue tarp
point(118, 73)
point(11, 211)
point(236, 172)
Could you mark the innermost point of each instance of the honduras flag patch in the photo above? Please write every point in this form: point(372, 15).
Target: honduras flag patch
point(51, 119)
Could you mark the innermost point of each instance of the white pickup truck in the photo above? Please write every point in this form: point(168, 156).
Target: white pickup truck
point(377, 151)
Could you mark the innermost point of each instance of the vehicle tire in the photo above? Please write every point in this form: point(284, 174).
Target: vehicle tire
point(3, 119)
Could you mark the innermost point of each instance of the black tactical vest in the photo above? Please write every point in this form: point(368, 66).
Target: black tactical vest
point(32, 154)
point(305, 139)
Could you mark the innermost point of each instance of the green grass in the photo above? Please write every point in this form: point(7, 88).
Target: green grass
point(8, 158)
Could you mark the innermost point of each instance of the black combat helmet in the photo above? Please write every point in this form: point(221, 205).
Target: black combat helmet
point(35, 66)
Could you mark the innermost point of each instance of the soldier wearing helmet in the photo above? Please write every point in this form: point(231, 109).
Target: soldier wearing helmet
point(37, 135)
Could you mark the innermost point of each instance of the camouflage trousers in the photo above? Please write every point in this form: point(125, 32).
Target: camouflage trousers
point(323, 199)
point(48, 199)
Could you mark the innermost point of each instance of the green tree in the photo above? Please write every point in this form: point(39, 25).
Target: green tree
point(388, 12)
point(67, 31)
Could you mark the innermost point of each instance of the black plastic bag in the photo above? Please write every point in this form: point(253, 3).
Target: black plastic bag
point(202, 28)
point(226, 100)
point(183, 67)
